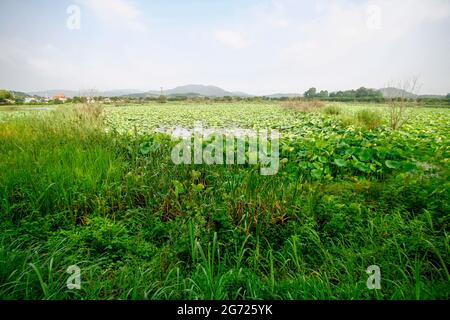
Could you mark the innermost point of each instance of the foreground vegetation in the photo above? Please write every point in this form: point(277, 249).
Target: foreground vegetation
point(99, 190)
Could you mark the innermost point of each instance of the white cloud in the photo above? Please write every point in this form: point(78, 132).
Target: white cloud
point(399, 18)
point(117, 13)
point(290, 45)
point(231, 39)
point(340, 36)
point(296, 44)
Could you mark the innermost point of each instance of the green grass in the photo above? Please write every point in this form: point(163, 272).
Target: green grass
point(106, 197)
point(332, 110)
point(369, 118)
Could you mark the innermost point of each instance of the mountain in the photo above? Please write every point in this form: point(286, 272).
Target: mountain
point(117, 93)
point(150, 93)
point(433, 96)
point(187, 94)
point(51, 93)
point(284, 95)
point(73, 93)
point(392, 92)
point(191, 90)
point(198, 90)
point(202, 90)
point(19, 94)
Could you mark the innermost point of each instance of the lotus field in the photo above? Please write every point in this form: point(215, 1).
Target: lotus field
point(96, 187)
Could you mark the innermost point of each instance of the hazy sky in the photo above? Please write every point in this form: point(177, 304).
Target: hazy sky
point(259, 47)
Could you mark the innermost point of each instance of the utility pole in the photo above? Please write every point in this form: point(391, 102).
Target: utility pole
point(161, 90)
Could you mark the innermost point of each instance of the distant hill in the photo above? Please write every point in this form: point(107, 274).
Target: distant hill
point(73, 93)
point(117, 93)
point(432, 96)
point(151, 93)
point(206, 91)
point(191, 90)
point(187, 94)
point(392, 92)
point(51, 93)
point(19, 94)
point(284, 95)
point(198, 90)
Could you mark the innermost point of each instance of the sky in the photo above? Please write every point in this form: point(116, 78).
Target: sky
point(259, 47)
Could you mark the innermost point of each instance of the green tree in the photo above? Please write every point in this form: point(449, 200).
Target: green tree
point(55, 101)
point(79, 99)
point(322, 94)
point(362, 92)
point(5, 95)
point(310, 93)
point(19, 100)
point(162, 99)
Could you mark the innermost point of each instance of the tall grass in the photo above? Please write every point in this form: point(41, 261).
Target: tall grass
point(303, 105)
point(369, 119)
point(72, 193)
point(332, 110)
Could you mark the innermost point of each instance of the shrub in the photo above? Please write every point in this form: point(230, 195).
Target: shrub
point(399, 107)
point(368, 118)
point(399, 112)
point(89, 112)
point(332, 110)
point(303, 106)
point(162, 99)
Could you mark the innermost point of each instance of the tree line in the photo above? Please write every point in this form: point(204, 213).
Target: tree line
point(359, 95)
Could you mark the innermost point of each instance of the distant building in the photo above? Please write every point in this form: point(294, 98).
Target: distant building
point(61, 97)
point(29, 100)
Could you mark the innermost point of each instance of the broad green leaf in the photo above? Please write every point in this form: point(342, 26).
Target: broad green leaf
point(145, 148)
point(364, 156)
point(323, 159)
point(316, 173)
point(318, 165)
point(340, 162)
point(392, 164)
point(362, 167)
